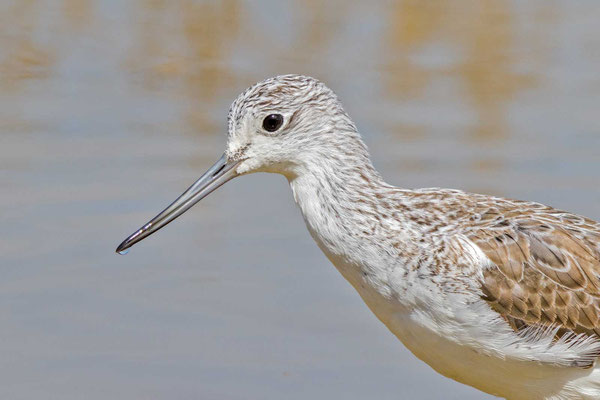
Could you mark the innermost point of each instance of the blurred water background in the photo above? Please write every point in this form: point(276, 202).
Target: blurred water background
point(109, 109)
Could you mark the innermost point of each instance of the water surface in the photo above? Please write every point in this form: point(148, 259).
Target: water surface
point(108, 110)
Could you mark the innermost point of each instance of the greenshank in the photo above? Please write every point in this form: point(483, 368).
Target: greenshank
point(499, 294)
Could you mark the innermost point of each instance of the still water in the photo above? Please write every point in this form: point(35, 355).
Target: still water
point(108, 110)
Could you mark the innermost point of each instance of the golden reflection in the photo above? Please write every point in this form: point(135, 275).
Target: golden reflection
point(488, 69)
point(186, 44)
point(481, 33)
point(412, 26)
point(78, 14)
point(317, 23)
point(209, 29)
point(22, 57)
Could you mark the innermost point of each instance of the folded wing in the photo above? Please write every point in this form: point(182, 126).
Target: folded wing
point(546, 269)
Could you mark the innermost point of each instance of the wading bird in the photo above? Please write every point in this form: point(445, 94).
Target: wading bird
point(499, 294)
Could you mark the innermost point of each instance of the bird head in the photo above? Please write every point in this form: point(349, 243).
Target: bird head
point(284, 125)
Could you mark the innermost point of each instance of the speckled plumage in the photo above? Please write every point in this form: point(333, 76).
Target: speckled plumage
point(499, 294)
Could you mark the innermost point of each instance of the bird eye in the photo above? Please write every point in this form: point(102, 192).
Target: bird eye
point(272, 122)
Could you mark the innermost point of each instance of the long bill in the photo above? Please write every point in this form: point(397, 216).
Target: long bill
point(221, 172)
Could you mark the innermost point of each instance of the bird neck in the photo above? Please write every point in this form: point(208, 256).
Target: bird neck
point(340, 199)
point(362, 224)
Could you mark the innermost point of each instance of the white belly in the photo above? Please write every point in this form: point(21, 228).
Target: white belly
point(469, 363)
point(507, 378)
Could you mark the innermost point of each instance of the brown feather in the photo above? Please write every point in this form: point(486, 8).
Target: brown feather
point(545, 269)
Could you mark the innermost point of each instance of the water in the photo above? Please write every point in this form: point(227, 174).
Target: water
point(123, 252)
point(109, 110)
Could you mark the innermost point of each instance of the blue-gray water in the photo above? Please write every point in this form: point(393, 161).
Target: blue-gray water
point(108, 110)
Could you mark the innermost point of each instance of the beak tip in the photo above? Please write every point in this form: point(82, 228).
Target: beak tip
point(123, 248)
point(126, 244)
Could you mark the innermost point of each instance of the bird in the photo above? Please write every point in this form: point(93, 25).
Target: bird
point(502, 295)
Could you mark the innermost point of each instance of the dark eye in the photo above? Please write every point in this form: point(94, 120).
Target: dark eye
point(272, 122)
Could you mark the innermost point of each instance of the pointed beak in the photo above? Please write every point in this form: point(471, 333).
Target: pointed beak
point(216, 176)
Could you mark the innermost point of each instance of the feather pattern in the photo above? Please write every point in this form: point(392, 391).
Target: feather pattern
point(546, 265)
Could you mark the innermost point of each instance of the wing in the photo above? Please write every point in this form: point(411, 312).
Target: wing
point(547, 268)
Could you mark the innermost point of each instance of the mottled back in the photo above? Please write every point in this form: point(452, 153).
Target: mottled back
point(546, 262)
